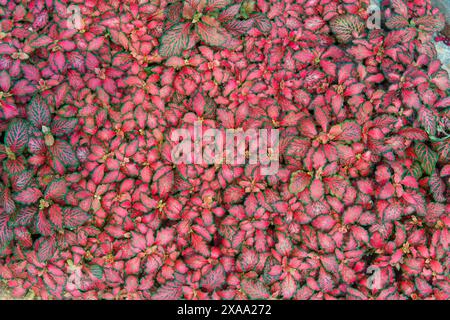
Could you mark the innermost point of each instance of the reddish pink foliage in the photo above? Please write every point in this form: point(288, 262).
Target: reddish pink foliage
point(92, 205)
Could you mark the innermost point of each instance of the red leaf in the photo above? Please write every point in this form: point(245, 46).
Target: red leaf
point(351, 131)
point(214, 278)
point(400, 7)
point(62, 126)
point(299, 181)
point(427, 157)
point(74, 217)
point(62, 153)
point(254, 289)
point(288, 286)
point(6, 234)
point(56, 190)
point(211, 34)
point(175, 40)
point(317, 189)
point(47, 249)
point(392, 212)
point(352, 214)
point(437, 188)
point(38, 113)
point(41, 41)
point(28, 196)
point(17, 135)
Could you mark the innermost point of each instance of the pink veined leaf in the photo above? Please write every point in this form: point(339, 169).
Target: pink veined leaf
point(216, 4)
point(174, 12)
point(5, 81)
point(55, 216)
point(262, 23)
point(247, 260)
point(31, 73)
point(299, 181)
point(96, 44)
point(210, 32)
point(62, 126)
point(74, 217)
point(416, 200)
point(397, 22)
point(6, 201)
point(400, 7)
point(43, 225)
point(414, 134)
point(28, 196)
point(175, 40)
point(411, 99)
point(214, 278)
point(38, 113)
point(47, 249)
point(8, 111)
point(437, 187)
point(427, 157)
point(366, 186)
point(163, 181)
point(21, 180)
point(387, 191)
point(15, 166)
point(229, 13)
point(430, 23)
point(314, 23)
point(304, 56)
point(56, 190)
point(337, 186)
point(352, 214)
point(169, 291)
point(62, 152)
point(324, 223)
point(6, 233)
point(25, 215)
point(17, 135)
point(428, 120)
point(255, 289)
point(41, 41)
point(360, 52)
point(308, 128)
point(328, 67)
point(423, 287)
point(288, 286)
point(351, 131)
point(239, 27)
point(317, 189)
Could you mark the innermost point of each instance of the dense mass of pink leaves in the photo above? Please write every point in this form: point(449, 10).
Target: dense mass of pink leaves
point(93, 207)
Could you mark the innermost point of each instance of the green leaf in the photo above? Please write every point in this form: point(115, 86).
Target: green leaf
point(97, 271)
point(427, 157)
